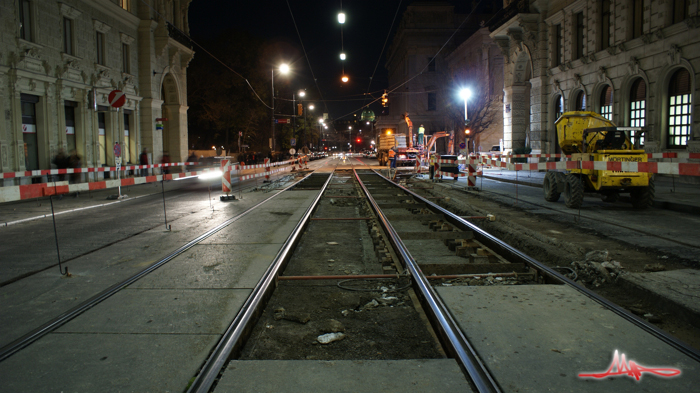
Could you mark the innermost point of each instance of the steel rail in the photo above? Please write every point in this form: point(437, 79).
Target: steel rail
point(22, 342)
point(514, 255)
point(231, 339)
point(455, 340)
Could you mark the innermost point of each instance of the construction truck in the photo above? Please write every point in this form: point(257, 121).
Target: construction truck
point(404, 154)
point(588, 136)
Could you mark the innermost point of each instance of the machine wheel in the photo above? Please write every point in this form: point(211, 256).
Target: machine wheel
point(643, 197)
point(551, 193)
point(610, 196)
point(573, 193)
point(382, 159)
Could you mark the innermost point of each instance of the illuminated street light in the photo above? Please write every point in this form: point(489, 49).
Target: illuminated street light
point(341, 18)
point(302, 93)
point(342, 56)
point(284, 68)
point(344, 79)
point(311, 107)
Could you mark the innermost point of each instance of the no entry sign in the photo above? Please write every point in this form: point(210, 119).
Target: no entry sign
point(116, 98)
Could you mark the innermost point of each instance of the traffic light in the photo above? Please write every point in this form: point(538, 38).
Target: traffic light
point(467, 131)
point(300, 109)
point(358, 140)
point(385, 99)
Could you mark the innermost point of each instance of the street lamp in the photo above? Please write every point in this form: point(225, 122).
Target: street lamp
point(284, 69)
point(465, 94)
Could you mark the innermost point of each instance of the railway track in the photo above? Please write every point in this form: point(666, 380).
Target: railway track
point(375, 281)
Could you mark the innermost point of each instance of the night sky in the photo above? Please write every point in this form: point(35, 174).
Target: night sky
point(364, 34)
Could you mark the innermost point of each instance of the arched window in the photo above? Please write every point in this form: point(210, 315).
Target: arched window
point(558, 110)
point(558, 107)
point(580, 101)
point(679, 109)
point(606, 103)
point(638, 106)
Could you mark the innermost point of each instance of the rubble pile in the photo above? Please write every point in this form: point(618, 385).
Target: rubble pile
point(597, 269)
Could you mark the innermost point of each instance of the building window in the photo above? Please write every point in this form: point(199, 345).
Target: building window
point(124, 4)
point(100, 46)
point(679, 11)
point(606, 103)
point(580, 101)
point(558, 107)
point(101, 134)
point(432, 101)
point(68, 36)
point(126, 148)
point(638, 106)
point(557, 56)
point(679, 109)
point(29, 131)
point(431, 64)
point(604, 25)
point(578, 35)
point(70, 124)
point(126, 59)
point(25, 20)
point(637, 18)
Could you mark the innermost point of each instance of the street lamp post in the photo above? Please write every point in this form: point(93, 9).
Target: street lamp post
point(465, 94)
point(284, 68)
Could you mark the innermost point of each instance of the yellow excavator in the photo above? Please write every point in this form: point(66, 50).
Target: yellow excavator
point(588, 136)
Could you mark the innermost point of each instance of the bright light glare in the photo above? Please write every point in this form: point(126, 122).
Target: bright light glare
point(311, 107)
point(284, 68)
point(465, 93)
point(213, 147)
point(342, 56)
point(341, 18)
point(344, 78)
point(320, 121)
point(210, 175)
point(302, 93)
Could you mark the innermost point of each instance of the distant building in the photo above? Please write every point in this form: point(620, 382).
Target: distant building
point(417, 69)
point(477, 64)
point(633, 61)
point(59, 60)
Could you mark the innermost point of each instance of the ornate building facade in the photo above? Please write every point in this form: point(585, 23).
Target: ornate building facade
point(633, 61)
point(59, 60)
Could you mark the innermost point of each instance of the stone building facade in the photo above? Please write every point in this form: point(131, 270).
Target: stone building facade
point(477, 64)
point(633, 61)
point(59, 60)
point(418, 73)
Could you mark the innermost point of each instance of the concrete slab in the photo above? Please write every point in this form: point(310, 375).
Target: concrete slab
point(677, 289)
point(214, 266)
point(107, 363)
point(393, 376)
point(539, 338)
point(161, 311)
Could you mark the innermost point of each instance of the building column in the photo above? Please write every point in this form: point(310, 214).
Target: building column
point(516, 116)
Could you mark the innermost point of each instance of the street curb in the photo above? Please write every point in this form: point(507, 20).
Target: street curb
point(665, 205)
point(661, 302)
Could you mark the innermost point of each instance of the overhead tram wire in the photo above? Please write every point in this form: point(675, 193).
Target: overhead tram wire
point(209, 53)
point(301, 42)
point(391, 90)
point(388, 34)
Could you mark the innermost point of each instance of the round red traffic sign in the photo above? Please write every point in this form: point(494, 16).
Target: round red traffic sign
point(117, 98)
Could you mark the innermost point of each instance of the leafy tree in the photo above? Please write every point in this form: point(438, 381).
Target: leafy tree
point(222, 103)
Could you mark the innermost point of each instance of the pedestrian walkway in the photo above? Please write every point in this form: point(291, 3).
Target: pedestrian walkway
point(671, 193)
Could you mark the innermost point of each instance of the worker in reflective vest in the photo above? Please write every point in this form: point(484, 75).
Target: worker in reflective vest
point(432, 162)
point(392, 158)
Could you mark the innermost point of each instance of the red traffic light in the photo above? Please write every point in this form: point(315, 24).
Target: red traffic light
point(358, 140)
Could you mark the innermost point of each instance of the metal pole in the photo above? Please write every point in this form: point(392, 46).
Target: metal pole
point(55, 234)
point(294, 118)
point(165, 215)
point(273, 111)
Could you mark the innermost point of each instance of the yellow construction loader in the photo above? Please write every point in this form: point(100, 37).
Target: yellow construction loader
point(588, 136)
